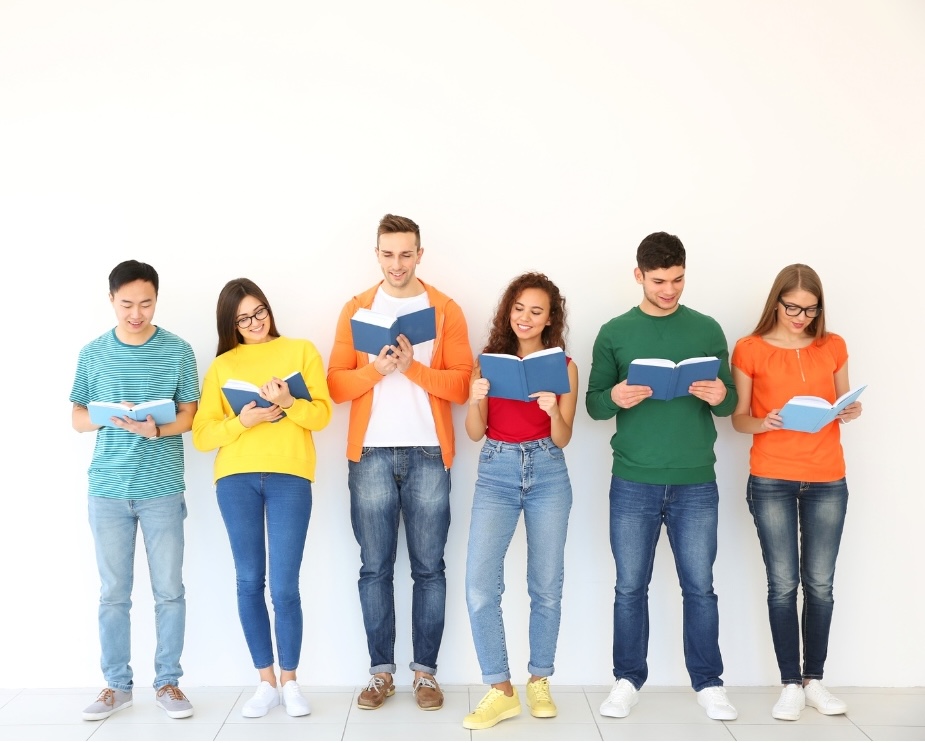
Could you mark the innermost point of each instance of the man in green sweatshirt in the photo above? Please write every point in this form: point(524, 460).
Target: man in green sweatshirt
point(662, 473)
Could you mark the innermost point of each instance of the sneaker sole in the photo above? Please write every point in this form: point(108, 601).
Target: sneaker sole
point(92, 716)
point(828, 712)
point(176, 714)
point(612, 713)
point(389, 693)
point(544, 713)
point(252, 714)
point(507, 715)
point(792, 717)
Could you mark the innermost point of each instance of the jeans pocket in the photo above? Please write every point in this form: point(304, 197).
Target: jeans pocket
point(487, 454)
point(555, 452)
point(431, 452)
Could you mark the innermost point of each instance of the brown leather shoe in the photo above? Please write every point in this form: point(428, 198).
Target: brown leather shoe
point(427, 693)
point(375, 693)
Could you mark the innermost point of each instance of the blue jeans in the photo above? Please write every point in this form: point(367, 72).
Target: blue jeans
point(689, 512)
point(284, 503)
point(388, 483)
point(529, 477)
point(114, 523)
point(799, 527)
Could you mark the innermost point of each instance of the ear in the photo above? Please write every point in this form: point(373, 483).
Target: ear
point(420, 255)
point(639, 275)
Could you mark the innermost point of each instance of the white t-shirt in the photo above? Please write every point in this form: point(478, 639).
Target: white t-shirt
point(401, 414)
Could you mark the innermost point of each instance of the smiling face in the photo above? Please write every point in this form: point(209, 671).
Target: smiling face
point(801, 299)
point(661, 289)
point(529, 318)
point(134, 305)
point(399, 255)
point(259, 329)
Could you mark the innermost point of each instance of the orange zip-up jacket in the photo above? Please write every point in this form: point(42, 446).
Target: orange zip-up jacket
point(352, 377)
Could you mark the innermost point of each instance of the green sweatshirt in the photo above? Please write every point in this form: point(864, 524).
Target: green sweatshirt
point(659, 442)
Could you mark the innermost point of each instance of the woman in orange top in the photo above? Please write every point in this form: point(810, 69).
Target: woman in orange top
point(797, 492)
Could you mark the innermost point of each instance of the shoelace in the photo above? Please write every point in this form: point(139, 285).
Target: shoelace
point(791, 694)
point(620, 694)
point(541, 690)
point(375, 683)
point(823, 695)
point(488, 700)
point(107, 696)
point(424, 681)
point(172, 691)
point(716, 694)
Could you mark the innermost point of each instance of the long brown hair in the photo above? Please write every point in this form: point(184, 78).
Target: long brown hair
point(501, 337)
point(227, 310)
point(793, 278)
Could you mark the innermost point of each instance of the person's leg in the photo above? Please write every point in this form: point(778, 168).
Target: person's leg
point(496, 507)
point(691, 515)
point(424, 494)
point(114, 527)
point(635, 523)
point(823, 506)
point(547, 502)
point(773, 505)
point(241, 502)
point(374, 514)
point(288, 509)
point(161, 521)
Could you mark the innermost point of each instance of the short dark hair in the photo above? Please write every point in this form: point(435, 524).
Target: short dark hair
point(660, 250)
point(226, 311)
point(393, 223)
point(129, 271)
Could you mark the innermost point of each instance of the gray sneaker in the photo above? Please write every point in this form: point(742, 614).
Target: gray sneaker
point(173, 702)
point(109, 701)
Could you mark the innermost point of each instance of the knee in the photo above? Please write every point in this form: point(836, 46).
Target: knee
point(819, 592)
point(251, 586)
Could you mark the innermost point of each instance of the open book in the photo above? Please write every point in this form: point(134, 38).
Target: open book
point(163, 411)
point(516, 379)
point(811, 414)
point(373, 330)
point(669, 380)
point(240, 393)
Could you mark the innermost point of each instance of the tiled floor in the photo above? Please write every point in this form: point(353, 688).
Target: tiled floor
point(663, 713)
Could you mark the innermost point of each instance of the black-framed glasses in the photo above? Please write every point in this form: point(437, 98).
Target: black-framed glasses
point(794, 310)
point(260, 314)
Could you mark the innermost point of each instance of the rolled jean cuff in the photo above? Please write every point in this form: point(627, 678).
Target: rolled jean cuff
point(383, 668)
point(424, 669)
point(541, 672)
point(160, 684)
point(710, 684)
point(497, 678)
point(798, 682)
point(122, 687)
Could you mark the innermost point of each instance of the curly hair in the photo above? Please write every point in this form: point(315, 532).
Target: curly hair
point(501, 337)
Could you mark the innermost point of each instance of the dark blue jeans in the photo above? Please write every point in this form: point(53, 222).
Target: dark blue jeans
point(284, 503)
point(388, 484)
point(799, 527)
point(689, 512)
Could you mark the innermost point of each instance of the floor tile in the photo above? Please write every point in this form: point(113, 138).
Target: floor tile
point(47, 732)
point(657, 731)
point(755, 709)
point(538, 731)
point(793, 731)
point(410, 730)
point(656, 707)
point(7, 694)
point(893, 732)
point(884, 709)
point(269, 731)
point(327, 708)
point(157, 731)
point(49, 709)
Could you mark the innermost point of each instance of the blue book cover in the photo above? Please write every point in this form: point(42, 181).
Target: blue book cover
point(373, 330)
point(240, 393)
point(668, 379)
point(514, 378)
point(163, 412)
point(811, 414)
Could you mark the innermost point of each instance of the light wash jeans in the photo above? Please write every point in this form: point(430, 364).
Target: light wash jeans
point(530, 477)
point(388, 484)
point(247, 501)
point(799, 527)
point(689, 512)
point(114, 523)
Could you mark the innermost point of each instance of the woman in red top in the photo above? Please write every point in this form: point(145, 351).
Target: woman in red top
point(797, 492)
point(521, 468)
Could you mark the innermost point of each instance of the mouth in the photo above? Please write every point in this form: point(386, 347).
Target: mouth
point(524, 328)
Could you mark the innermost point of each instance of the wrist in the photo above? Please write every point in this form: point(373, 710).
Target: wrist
point(157, 433)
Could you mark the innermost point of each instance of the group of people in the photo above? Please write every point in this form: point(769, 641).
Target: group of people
point(400, 450)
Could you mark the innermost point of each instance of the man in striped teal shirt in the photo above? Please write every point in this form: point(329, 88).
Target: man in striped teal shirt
point(136, 479)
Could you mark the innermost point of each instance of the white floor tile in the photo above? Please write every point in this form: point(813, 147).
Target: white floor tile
point(893, 732)
point(410, 730)
point(631, 731)
point(269, 731)
point(47, 709)
point(47, 732)
point(538, 731)
point(157, 731)
point(797, 732)
point(884, 709)
point(6, 695)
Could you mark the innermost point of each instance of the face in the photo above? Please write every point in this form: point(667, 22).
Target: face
point(799, 324)
point(259, 330)
point(530, 315)
point(398, 257)
point(661, 289)
point(134, 305)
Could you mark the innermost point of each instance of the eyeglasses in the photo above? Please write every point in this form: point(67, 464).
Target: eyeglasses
point(260, 314)
point(794, 310)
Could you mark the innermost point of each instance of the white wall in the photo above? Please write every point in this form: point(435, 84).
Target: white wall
point(219, 139)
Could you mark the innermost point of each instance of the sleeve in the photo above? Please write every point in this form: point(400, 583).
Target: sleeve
point(347, 381)
point(604, 375)
point(188, 383)
point(211, 428)
point(313, 414)
point(80, 391)
point(839, 350)
point(451, 382)
point(742, 356)
point(721, 349)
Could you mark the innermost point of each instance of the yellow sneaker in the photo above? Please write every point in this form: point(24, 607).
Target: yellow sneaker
point(539, 700)
point(494, 707)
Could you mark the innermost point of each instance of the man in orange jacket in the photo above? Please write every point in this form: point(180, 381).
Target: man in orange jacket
point(400, 447)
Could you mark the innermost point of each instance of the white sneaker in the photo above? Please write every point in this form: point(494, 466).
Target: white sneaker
point(296, 704)
point(623, 697)
point(819, 697)
point(714, 700)
point(265, 698)
point(791, 703)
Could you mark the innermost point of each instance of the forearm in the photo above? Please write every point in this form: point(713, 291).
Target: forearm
point(476, 420)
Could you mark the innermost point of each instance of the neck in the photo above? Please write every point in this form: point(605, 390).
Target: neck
point(136, 340)
point(413, 289)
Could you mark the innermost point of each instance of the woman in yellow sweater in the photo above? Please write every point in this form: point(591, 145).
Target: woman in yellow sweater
point(263, 473)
